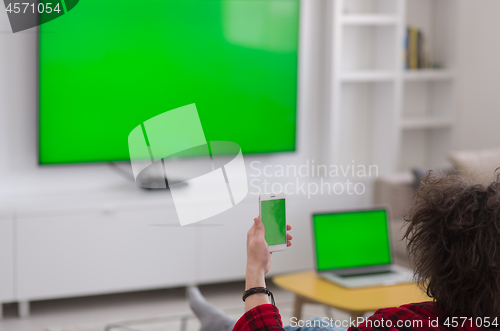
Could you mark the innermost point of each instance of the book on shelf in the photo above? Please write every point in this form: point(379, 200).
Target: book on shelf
point(414, 49)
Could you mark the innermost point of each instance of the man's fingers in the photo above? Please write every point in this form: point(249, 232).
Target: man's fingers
point(288, 227)
point(289, 236)
point(288, 243)
point(251, 231)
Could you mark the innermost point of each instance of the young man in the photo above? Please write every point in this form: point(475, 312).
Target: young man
point(454, 244)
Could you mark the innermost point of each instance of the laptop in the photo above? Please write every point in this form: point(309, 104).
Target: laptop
point(353, 249)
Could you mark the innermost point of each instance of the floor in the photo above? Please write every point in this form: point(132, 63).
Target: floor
point(80, 313)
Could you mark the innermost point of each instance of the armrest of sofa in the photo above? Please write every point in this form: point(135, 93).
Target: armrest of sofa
point(478, 166)
point(396, 191)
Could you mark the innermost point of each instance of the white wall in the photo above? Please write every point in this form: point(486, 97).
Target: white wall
point(479, 94)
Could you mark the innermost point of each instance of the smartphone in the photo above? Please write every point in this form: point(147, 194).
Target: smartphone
point(272, 209)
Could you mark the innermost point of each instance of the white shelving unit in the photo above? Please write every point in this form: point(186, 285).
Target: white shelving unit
point(369, 19)
point(381, 113)
point(367, 76)
point(426, 123)
point(428, 75)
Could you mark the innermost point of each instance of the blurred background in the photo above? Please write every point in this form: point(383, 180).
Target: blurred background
point(399, 87)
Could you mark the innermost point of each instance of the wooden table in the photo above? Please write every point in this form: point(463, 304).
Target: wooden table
point(309, 288)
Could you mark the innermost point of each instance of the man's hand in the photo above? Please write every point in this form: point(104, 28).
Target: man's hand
point(258, 255)
point(259, 261)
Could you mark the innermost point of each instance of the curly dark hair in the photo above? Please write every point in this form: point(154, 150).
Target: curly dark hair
point(454, 244)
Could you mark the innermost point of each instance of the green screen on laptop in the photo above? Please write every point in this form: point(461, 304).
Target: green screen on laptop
point(351, 239)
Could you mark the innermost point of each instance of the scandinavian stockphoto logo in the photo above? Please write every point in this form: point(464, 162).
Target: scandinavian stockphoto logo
point(216, 180)
point(26, 14)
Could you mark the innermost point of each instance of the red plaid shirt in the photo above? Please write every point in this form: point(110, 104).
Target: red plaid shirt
point(267, 318)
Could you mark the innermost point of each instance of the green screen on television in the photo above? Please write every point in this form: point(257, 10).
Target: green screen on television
point(109, 65)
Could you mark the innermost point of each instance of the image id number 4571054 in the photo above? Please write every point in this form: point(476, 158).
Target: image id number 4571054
point(454, 322)
point(32, 8)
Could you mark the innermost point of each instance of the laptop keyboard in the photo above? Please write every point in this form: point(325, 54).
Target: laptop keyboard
point(385, 272)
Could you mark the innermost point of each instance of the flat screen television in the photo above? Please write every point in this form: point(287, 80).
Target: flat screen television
point(108, 65)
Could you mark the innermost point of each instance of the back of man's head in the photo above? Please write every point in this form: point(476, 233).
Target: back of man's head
point(454, 244)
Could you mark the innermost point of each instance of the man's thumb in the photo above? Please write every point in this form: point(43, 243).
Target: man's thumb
point(259, 226)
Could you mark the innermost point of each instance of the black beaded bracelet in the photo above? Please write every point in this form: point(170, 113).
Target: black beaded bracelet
point(255, 290)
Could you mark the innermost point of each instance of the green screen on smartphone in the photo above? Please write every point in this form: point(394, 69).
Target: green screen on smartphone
point(274, 219)
point(351, 239)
